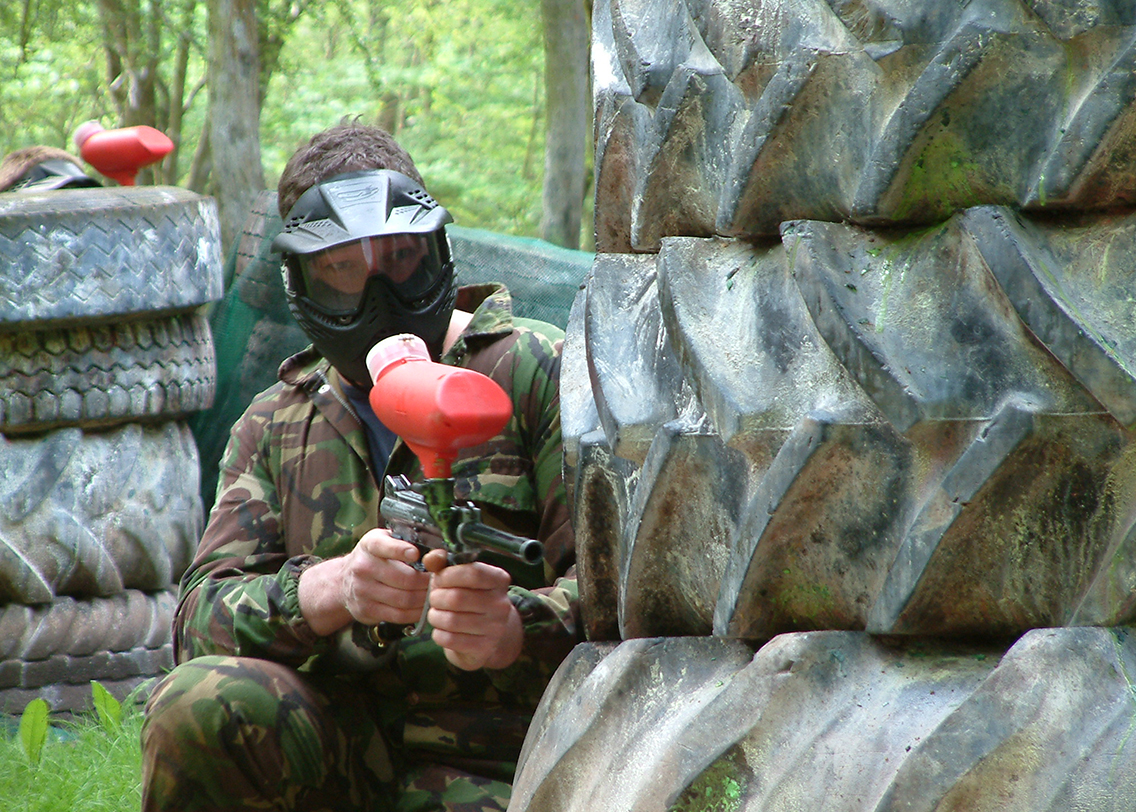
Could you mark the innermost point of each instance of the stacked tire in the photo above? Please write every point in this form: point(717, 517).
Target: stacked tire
point(848, 405)
point(104, 351)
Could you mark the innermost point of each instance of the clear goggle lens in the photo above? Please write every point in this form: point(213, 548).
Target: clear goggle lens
point(335, 278)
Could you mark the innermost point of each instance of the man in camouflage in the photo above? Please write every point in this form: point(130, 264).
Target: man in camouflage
point(281, 699)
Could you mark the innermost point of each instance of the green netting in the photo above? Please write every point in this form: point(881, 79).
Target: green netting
point(253, 330)
point(542, 277)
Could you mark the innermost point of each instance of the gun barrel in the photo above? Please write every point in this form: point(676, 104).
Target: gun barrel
point(405, 507)
point(484, 537)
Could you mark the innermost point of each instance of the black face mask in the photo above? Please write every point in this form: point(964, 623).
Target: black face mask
point(345, 340)
point(348, 209)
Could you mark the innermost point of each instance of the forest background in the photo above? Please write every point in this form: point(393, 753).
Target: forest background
point(502, 142)
point(238, 85)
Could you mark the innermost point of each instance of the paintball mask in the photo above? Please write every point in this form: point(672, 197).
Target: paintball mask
point(365, 258)
point(53, 173)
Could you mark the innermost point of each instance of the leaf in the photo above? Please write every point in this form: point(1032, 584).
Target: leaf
point(108, 708)
point(33, 729)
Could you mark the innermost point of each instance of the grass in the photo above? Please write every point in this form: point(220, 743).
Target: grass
point(92, 763)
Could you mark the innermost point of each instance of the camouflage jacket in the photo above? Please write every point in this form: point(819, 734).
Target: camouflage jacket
point(296, 486)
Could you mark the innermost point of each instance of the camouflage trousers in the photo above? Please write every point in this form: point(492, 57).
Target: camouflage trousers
point(235, 733)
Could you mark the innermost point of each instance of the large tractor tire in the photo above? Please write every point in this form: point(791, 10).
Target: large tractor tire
point(54, 650)
point(89, 514)
point(95, 255)
point(726, 118)
point(101, 306)
point(860, 379)
point(103, 374)
point(104, 350)
point(837, 721)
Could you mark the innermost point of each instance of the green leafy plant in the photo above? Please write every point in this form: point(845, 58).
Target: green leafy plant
point(33, 729)
point(91, 763)
point(107, 708)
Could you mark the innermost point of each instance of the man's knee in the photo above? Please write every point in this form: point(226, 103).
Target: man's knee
point(231, 725)
point(211, 697)
point(234, 728)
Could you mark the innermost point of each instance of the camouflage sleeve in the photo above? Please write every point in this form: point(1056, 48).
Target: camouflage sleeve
point(551, 630)
point(239, 595)
point(536, 393)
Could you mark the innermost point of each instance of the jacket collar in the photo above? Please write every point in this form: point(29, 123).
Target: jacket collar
point(492, 309)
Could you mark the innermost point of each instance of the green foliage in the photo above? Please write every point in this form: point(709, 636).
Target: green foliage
point(50, 75)
point(720, 788)
point(33, 729)
point(459, 82)
point(91, 764)
point(54, 72)
point(107, 708)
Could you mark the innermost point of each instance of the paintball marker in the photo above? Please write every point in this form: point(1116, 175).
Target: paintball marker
point(437, 410)
point(412, 515)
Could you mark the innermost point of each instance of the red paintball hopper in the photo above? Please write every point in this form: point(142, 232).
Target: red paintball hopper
point(119, 154)
point(436, 409)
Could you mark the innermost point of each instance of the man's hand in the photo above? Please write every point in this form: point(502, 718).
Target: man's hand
point(474, 621)
point(375, 582)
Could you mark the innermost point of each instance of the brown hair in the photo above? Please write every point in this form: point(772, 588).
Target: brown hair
point(16, 164)
point(347, 147)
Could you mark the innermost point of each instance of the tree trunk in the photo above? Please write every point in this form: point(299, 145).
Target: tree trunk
point(200, 178)
point(568, 105)
point(176, 90)
point(129, 41)
point(234, 104)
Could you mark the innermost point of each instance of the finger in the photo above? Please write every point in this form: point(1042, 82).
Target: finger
point(470, 646)
point(379, 543)
point(368, 569)
point(372, 604)
point(480, 642)
point(379, 613)
point(463, 642)
point(467, 662)
point(467, 627)
point(375, 592)
point(467, 656)
point(477, 575)
point(477, 602)
point(495, 641)
point(435, 560)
